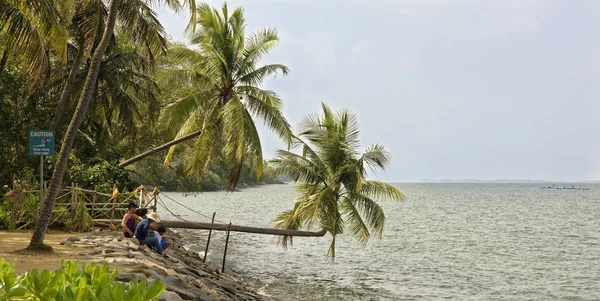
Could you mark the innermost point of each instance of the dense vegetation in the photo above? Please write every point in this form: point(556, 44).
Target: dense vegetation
point(138, 102)
point(68, 283)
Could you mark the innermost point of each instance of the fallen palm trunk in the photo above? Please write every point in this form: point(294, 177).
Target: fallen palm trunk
point(224, 227)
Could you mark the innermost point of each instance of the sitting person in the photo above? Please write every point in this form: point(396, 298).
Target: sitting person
point(142, 233)
point(164, 242)
point(129, 220)
point(141, 212)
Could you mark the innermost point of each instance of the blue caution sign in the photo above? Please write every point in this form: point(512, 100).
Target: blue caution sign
point(41, 143)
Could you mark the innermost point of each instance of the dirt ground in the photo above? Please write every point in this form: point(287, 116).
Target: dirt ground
point(13, 241)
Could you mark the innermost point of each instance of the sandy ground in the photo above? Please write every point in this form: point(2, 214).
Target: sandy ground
point(13, 241)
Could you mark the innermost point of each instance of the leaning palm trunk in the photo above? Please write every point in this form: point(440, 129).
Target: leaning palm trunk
point(66, 93)
point(160, 148)
point(39, 233)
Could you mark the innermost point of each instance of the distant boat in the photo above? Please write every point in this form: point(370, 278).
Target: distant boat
point(565, 187)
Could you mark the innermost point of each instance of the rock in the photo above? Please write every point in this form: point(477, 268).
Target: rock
point(129, 277)
point(176, 281)
point(132, 245)
point(91, 253)
point(159, 271)
point(184, 290)
point(135, 254)
point(169, 296)
point(192, 272)
point(149, 274)
point(116, 254)
point(116, 246)
point(183, 273)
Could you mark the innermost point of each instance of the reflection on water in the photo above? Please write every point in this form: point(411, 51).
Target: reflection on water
point(447, 241)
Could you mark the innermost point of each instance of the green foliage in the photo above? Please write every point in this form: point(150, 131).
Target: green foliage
point(96, 171)
point(127, 104)
point(216, 88)
point(6, 220)
point(29, 205)
point(93, 282)
point(78, 217)
point(333, 191)
point(8, 210)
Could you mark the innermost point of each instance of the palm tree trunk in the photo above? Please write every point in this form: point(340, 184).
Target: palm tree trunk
point(37, 240)
point(66, 93)
point(159, 148)
point(224, 227)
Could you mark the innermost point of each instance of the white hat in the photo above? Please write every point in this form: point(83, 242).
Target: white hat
point(153, 216)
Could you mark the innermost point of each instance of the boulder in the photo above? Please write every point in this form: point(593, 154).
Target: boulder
point(169, 296)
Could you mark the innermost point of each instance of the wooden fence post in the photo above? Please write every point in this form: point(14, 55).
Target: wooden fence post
point(113, 202)
point(225, 252)
point(208, 240)
point(155, 194)
point(72, 194)
point(142, 205)
point(94, 197)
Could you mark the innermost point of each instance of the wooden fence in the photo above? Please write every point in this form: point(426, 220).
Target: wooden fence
point(100, 205)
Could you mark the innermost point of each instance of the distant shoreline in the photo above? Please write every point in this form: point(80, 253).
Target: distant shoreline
point(492, 182)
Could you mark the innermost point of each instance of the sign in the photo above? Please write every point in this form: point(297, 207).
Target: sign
point(41, 143)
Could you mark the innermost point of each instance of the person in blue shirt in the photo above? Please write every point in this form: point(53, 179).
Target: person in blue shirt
point(142, 229)
point(164, 242)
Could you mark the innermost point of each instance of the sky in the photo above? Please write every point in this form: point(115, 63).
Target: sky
point(455, 89)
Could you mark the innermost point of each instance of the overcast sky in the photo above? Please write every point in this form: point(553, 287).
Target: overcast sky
point(453, 88)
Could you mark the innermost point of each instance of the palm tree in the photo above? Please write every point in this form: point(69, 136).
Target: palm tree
point(217, 94)
point(136, 19)
point(37, 238)
point(29, 26)
point(333, 191)
point(126, 97)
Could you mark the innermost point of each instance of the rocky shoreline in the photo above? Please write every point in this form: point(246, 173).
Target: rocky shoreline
point(183, 272)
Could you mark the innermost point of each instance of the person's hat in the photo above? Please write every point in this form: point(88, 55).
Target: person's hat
point(153, 216)
point(132, 205)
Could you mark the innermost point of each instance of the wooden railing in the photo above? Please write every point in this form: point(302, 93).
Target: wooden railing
point(100, 205)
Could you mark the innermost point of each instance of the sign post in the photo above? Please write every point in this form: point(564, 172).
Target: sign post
point(41, 143)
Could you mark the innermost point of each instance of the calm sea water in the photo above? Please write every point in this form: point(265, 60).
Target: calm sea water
point(447, 241)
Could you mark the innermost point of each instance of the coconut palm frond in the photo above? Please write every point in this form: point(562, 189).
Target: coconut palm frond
point(381, 190)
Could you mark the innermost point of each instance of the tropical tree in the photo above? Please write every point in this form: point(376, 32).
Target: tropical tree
point(29, 27)
point(136, 19)
point(333, 191)
point(217, 95)
point(37, 238)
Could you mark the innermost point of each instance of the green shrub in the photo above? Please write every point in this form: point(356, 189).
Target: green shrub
point(29, 209)
point(5, 220)
point(78, 218)
point(93, 282)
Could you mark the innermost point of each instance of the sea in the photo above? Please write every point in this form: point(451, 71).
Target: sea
point(444, 242)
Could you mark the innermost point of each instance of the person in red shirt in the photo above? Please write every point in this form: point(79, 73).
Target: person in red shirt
point(129, 220)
